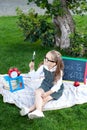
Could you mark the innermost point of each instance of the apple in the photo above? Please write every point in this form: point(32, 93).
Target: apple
point(76, 83)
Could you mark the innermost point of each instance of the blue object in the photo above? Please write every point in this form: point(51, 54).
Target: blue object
point(15, 84)
point(74, 69)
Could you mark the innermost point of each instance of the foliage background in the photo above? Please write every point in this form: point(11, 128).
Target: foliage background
point(43, 30)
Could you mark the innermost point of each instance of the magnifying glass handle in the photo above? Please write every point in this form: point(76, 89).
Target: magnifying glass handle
point(33, 57)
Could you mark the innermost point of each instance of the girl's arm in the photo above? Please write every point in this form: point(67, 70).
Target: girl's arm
point(35, 74)
point(48, 93)
point(56, 87)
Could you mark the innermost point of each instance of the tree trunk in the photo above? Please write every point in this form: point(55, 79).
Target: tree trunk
point(65, 25)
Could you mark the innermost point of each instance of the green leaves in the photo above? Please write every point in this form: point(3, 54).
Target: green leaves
point(36, 27)
point(55, 7)
point(52, 8)
point(78, 45)
point(78, 6)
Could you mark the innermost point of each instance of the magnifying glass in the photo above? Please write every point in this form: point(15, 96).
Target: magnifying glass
point(33, 57)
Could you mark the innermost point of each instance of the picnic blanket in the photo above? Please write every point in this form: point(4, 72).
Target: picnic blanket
point(72, 95)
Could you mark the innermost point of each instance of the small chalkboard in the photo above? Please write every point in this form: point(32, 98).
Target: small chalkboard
point(75, 69)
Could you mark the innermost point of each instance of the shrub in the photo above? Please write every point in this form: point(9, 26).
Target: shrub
point(40, 27)
point(36, 27)
point(78, 46)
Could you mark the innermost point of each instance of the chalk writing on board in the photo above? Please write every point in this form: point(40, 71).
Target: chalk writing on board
point(74, 69)
point(74, 76)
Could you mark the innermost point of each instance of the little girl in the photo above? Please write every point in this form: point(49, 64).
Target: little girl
point(51, 87)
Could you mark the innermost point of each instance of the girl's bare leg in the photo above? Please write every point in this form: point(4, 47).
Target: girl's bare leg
point(39, 99)
point(32, 108)
point(39, 103)
point(47, 99)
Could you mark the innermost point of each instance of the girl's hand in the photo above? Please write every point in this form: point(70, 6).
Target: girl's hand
point(47, 94)
point(44, 95)
point(31, 66)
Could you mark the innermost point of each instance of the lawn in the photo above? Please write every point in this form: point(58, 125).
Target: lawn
point(15, 52)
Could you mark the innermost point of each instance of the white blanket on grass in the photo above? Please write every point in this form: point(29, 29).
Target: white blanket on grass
point(25, 97)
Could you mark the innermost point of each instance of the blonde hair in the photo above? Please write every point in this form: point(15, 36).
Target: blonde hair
point(57, 57)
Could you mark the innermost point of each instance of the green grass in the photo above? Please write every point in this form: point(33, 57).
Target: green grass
point(81, 24)
point(15, 52)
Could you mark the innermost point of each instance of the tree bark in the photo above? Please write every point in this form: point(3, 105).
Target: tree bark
point(65, 25)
